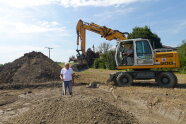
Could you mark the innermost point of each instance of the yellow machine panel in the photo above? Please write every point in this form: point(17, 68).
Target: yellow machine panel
point(161, 60)
point(170, 59)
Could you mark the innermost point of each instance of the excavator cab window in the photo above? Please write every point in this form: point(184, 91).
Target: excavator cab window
point(143, 49)
point(144, 54)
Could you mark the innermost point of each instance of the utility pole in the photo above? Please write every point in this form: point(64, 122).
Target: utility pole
point(93, 48)
point(49, 48)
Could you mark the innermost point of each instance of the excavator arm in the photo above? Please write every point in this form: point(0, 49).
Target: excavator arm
point(107, 33)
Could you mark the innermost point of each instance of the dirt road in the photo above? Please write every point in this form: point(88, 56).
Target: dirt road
point(146, 110)
point(143, 103)
point(46, 105)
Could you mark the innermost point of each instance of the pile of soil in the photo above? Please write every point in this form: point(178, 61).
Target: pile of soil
point(75, 109)
point(33, 67)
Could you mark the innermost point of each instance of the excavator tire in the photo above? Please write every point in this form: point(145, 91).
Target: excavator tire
point(124, 79)
point(167, 80)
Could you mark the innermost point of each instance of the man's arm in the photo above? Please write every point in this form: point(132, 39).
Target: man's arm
point(61, 75)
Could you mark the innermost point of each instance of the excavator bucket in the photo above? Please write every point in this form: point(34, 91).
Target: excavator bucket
point(79, 63)
point(79, 67)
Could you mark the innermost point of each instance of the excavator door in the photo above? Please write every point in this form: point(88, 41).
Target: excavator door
point(144, 52)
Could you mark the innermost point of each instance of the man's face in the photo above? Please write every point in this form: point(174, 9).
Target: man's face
point(67, 66)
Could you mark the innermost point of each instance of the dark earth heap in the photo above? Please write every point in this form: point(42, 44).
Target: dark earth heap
point(75, 110)
point(33, 67)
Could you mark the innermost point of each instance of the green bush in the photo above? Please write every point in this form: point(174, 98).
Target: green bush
point(99, 63)
point(106, 60)
point(109, 58)
point(182, 54)
point(90, 57)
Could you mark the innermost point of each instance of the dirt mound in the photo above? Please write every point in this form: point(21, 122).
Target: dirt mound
point(76, 109)
point(30, 68)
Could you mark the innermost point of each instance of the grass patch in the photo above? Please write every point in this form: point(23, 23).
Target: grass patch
point(93, 75)
point(61, 64)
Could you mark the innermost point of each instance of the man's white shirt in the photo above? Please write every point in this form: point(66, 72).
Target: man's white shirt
point(67, 74)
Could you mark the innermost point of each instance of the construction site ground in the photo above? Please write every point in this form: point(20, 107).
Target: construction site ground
point(143, 103)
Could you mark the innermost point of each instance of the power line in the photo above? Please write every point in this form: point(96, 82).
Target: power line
point(49, 48)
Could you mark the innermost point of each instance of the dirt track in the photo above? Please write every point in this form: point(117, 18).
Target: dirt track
point(147, 103)
point(141, 105)
point(46, 105)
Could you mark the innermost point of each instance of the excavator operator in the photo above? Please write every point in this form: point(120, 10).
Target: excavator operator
point(129, 55)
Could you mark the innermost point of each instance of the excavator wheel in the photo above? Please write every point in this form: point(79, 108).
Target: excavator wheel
point(124, 79)
point(167, 80)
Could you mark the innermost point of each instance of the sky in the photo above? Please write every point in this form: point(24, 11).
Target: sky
point(32, 25)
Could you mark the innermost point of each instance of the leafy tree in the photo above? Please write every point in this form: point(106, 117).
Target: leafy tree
point(90, 56)
point(106, 60)
point(146, 33)
point(182, 54)
point(104, 47)
point(99, 63)
point(109, 58)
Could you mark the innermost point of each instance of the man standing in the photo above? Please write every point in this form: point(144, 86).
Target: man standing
point(66, 76)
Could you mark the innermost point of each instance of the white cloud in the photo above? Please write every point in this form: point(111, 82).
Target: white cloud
point(61, 55)
point(48, 24)
point(14, 52)
point(12, 49)
point(175, 29)
point(115, 12)
point(26, 3)
point(78, 3)
point(110, 14)
point(66, 3)
point(15, 20)
point(22, 27)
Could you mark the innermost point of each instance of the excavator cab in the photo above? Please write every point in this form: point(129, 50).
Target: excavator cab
point(134, 52)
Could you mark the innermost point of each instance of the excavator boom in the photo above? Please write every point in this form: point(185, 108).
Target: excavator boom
point(107, 33)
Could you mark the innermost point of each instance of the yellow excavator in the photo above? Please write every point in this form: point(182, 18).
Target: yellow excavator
point(134, 54)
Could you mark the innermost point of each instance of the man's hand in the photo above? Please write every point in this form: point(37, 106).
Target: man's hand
point(61, 78)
